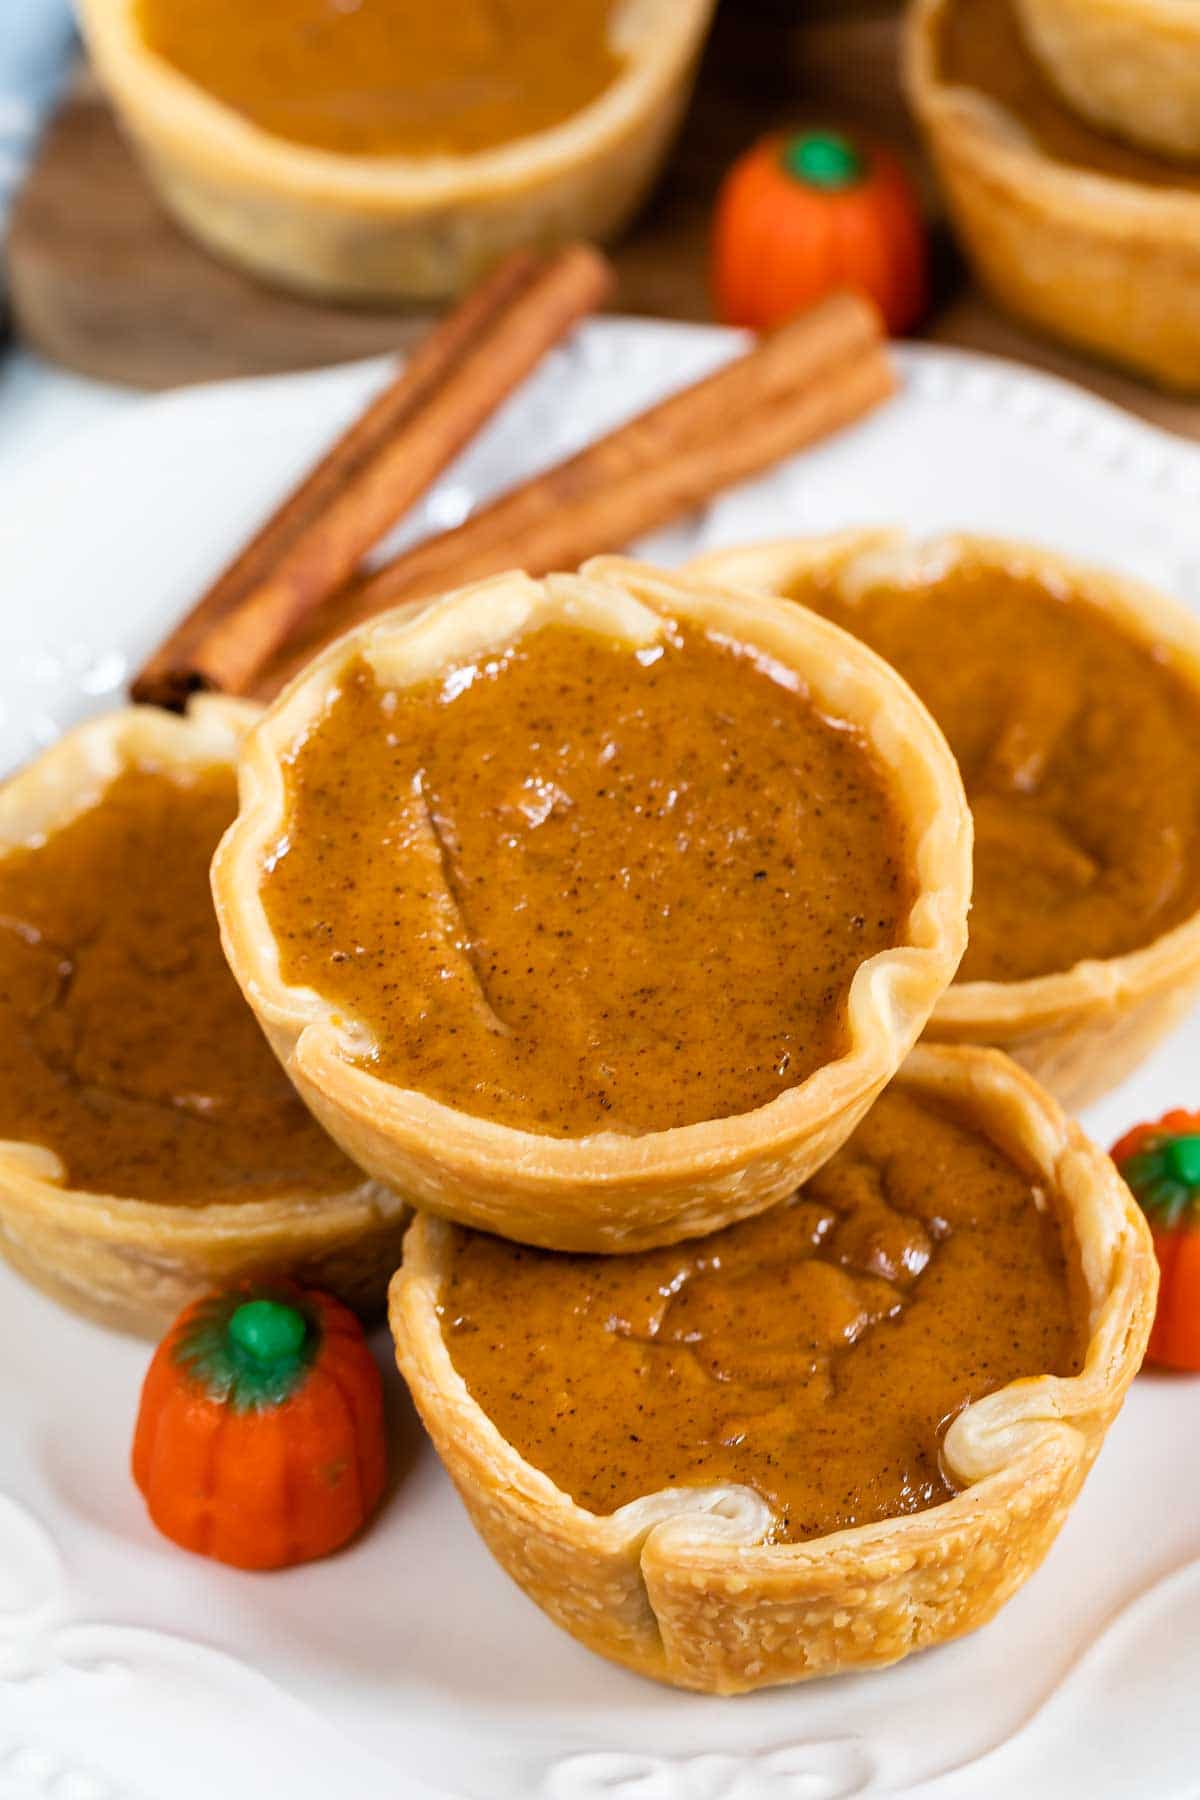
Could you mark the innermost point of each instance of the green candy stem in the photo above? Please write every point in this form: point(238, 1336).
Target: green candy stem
point(823, 159)
point(1165, 1179)
point(1182, 1158)
point(249, 1351)
point(268, 1330)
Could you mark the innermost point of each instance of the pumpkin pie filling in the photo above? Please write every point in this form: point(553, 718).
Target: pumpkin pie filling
point(981, 47)
point(125, 1045)
point(816, 1353)
point(583, 885)
point(1079, 750)
point(391, 77)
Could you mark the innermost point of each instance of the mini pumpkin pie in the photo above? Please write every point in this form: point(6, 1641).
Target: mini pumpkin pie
point(1094, 241)
point(1071, 699)
point(819, 1439)
point(1129, 66)
point(150, 1145)
point(594, 911)
point(393, 148)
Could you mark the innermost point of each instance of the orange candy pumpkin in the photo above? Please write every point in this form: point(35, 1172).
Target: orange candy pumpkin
point(260, 1437)
point(1161, 1163)
point(801, 215)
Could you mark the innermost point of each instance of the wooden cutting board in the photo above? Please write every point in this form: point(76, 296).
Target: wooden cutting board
point(103, 281)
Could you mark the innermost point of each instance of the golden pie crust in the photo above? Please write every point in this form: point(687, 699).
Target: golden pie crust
point(133, 1263)
point(678, 1585)
point(1082, 1031)
point(1108, 264)
point(380, 228)
point(605, 1191)
point(1129, 66)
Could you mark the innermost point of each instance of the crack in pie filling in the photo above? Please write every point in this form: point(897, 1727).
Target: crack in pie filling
point(150, 1144)
point(594, 911)
point(1071, 701)
point(816, 1353)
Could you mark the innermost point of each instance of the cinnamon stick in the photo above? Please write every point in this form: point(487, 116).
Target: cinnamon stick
point(815, 374)
point(310, 546)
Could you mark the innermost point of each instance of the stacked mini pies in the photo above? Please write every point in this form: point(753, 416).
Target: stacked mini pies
point(691, 1583)
point(483, 846)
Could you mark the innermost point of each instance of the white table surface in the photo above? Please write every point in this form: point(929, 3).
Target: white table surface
point(41, 406)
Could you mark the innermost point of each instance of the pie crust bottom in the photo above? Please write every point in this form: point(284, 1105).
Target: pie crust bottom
point(133, 1266)
point(1089, 1047)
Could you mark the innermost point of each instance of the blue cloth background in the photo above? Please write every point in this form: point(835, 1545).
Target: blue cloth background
point(36, 46)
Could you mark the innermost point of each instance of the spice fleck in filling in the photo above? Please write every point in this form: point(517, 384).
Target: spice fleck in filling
point(816, 1353)
point(585, 886)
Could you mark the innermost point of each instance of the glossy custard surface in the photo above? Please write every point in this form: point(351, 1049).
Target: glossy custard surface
point(1079, 750)
point(981, 46)
point(125, 1045)
point(581, 886)
point(391, 77)
point(815, 1353)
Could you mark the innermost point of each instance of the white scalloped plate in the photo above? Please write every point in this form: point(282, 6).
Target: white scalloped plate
point(408, 1668)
